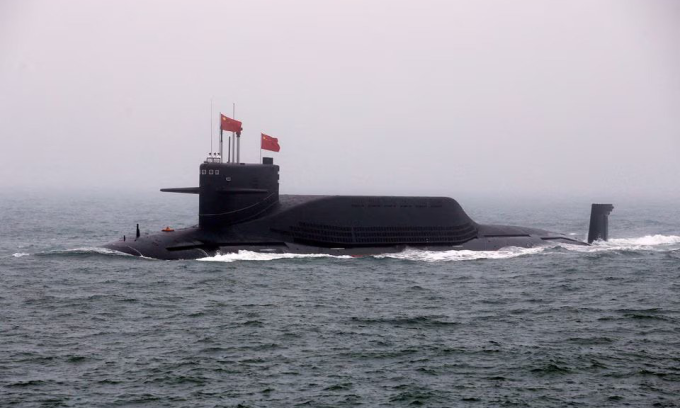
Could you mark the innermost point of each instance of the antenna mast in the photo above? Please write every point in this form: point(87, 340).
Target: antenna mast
point(237, 137)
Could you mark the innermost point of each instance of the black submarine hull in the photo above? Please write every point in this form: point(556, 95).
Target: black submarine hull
point(240, 209)
point(163, 246)
point(342, 225)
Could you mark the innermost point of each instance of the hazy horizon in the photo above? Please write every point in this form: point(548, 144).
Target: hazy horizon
point(464, 98)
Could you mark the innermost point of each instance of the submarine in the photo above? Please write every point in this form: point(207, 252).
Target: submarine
point(240, 209)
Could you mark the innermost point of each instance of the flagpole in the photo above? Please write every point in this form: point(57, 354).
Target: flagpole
point(229, 147)
point(211, 127)
point(221, 145)
point(237, 159)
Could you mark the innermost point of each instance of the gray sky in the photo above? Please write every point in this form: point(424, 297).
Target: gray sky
point(566, 98)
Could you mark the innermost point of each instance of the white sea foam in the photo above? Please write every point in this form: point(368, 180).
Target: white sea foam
point(20, 254)
point(646, 243)
point(458, 255)
point(409, 254)
point(655, 243)
point(257, 256)
point(647, 240)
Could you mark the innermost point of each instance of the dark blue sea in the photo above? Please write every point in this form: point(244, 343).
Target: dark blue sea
point(548, 327)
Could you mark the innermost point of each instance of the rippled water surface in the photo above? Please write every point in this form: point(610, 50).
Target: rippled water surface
point(546, 327)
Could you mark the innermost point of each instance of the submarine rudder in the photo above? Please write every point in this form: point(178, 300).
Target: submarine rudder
point(599, 222)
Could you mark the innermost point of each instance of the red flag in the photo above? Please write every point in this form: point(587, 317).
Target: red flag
point(270, 143)
point(229, 124)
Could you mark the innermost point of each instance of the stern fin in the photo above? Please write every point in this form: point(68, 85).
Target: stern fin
point(599, 222)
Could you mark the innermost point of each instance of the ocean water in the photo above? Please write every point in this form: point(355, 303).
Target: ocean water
point(544, 327)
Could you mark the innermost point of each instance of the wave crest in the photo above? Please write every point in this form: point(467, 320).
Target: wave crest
point(258, 256)
point(654, 243)
point(647, 240)
point(461, 255)
point(646, 243)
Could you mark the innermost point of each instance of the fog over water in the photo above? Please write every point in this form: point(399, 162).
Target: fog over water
point(464, 98)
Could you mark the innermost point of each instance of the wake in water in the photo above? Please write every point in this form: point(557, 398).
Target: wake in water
point(74, 252)
point(657, 243)
point(654, 243)
point(448, 256)
point(409, 255)
point(257, 256)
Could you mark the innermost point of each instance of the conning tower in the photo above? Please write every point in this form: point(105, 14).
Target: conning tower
point(231, 193)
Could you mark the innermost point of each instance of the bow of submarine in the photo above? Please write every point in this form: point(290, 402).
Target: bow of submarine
point(188, 243)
